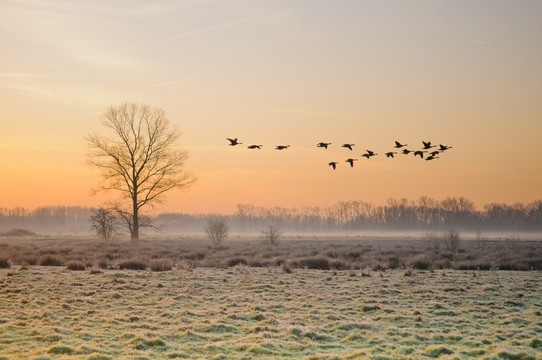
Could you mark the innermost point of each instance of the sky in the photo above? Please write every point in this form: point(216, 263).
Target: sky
point(461, 73)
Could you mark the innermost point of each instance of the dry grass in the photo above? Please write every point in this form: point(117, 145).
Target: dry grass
point(247, 313)
point(313, 253)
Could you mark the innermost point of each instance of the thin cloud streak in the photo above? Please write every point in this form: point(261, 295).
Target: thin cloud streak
point(194, 77)
point(22, 76)
point(158, 41)
point(173, 82)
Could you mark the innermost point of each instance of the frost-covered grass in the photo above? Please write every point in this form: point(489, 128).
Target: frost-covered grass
point(246, 313)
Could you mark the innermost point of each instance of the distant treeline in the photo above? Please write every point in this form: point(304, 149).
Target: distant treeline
point(423, 214)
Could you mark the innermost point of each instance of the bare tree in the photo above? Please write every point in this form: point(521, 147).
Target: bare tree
point(142, 160)
point(272, 234)
point(452, 241)
point(217, 230)
point(104, 223)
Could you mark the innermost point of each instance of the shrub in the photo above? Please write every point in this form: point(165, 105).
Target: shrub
point(452, 241)
point(272, 234)
point(103, 263)
point(104, 223)
point(4, 263)
point(29, 260)
point(318, 263)
point(18, 232)
point(76, 265)
point(217, 230)
point(161, 266)
point(50, 260)
point(236, 261)
point(421, 264)
point(432, 242)
point(394, 262)
point(133, 265)
point(285, 268)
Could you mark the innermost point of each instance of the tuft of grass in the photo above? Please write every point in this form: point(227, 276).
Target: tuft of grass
point(161, 266)
point(133, 265)
point(236, 261)
point(61, 350)
point(76, 265)
point(50, 260)
point(436, 351)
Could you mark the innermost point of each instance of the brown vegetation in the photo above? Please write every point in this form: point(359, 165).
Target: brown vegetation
point(338, 253)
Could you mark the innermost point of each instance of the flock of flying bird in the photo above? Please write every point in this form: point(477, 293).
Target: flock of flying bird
point(427, 146)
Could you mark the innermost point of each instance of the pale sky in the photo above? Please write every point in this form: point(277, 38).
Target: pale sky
point(461, 73)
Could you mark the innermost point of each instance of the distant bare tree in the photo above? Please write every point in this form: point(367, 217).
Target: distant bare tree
point(272, 234)
point(141, 161)
point(217, 230)
point(104, 223)
point(452, 241)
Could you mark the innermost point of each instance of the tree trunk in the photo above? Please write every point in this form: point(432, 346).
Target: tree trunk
point(135, 221)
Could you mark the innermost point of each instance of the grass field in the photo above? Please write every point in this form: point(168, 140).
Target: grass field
point(244, 313)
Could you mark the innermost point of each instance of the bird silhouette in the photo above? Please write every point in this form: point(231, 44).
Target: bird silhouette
point(369, 153)
point(255, 147)
point(406, 151)
point(323, 144)
point(444, 147)
point(431, 157)
point(434, 153)
point(348, 146)
point(427, 145)
point(419, 152)
point(282, 147)
point(390, 154)
point(333, 164)
point(351, 161)
point(233, 141)
point(398, 145)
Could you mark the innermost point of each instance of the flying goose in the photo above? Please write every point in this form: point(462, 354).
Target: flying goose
point(255, 147)
point(444, 147)
point(282, 147)
point(369, 153)
point(351, 161)
point(427, 145)
point(406, 151)
point(233, 141)
point(390, 154)
point(333, 164)
point(419, 152)
point(348, 146)
point(323, 144)
point(398, 145)
point(431, 157)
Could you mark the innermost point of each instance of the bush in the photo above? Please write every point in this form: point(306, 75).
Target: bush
point(50, 260)
point(4, 263)
point(133, 265)
point(104, 223)
point(217, 230)
point(394, 262)
point(161, 266)
point(452, 241)
point(421, 264)
point(272, 234)
point(18, 232)
point(236, 261)
point(76, 266)
point(318, 263)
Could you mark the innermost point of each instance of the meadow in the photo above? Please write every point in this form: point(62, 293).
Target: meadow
point(302, 299)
